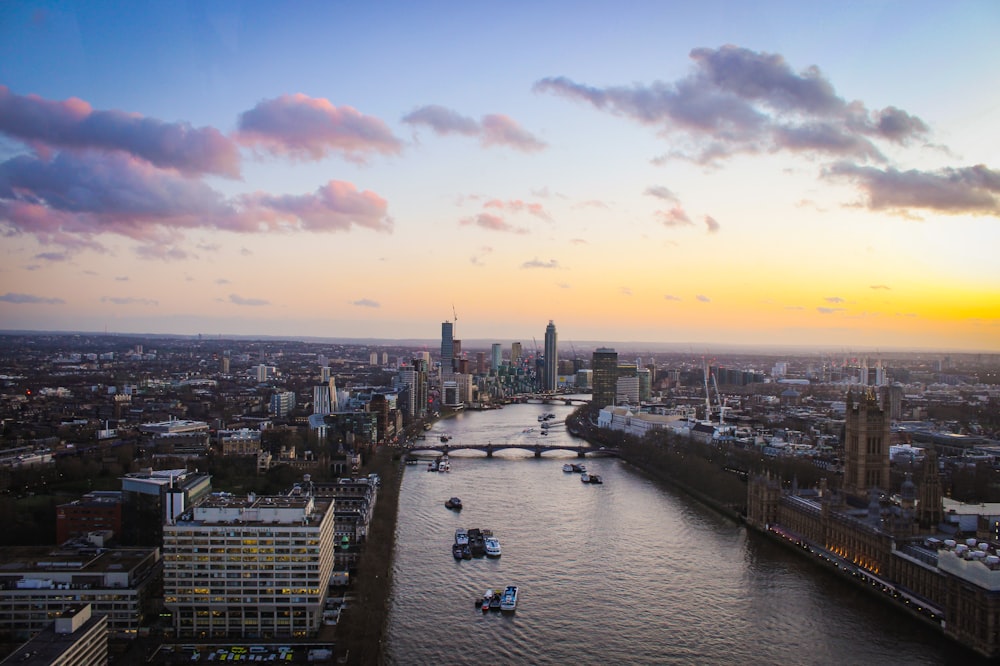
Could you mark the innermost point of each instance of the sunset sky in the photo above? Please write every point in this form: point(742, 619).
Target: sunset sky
point(703, 173)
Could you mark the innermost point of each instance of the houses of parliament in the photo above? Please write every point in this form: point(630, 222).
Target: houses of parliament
point(897, 547)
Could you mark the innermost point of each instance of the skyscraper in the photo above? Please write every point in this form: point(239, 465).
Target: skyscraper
point(496, 357)
point(515, 354)
point(549, 381)
point(604, 364)
point(447, 346)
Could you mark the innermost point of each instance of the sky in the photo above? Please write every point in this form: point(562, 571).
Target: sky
point(780, 173)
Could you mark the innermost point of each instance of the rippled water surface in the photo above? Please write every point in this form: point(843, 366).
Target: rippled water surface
point(624, 572)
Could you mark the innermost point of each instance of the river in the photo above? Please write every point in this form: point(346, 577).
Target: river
point(624, 572)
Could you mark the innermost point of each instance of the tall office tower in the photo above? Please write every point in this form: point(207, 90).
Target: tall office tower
point(447, 346)
point(495, 357)
point(262, 373)
point(549, 381)
point(645, 384)
point(604, 364)
point(325, 397)
point(866, 445)
point(406, 382)
point(247, 566)
point(325, 373)
point(456, 351)
point(515, 354)
point(480, 363)
point(224, 364)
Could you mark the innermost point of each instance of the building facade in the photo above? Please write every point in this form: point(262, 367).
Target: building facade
point(38, 584)
point(604, 378)
point(249, 567)
point(866, 445)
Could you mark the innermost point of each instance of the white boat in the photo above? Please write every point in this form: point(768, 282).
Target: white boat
point(585, 477)
point(492, 547)
point(508, 600)
point(462, 537)
point(487, 598)
point(567, 467)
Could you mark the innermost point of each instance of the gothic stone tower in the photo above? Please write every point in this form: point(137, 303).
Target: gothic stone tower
point(866, 445)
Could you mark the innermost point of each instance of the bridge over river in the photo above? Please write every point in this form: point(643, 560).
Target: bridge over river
point(490, 448)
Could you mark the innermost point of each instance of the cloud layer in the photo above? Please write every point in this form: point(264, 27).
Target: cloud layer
point(492, 129)
point(95, 172)
point(742, 101)
point(73, 124)
point(310, 128)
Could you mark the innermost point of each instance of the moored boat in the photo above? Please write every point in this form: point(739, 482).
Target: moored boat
point(477, 543)
point(594, 478)
point(456, 551)
point(453, 503)
point(585, 478)
point(484, 603)
point(492, 547)
point(508, 600)
point(567, 467)
point(461, 537)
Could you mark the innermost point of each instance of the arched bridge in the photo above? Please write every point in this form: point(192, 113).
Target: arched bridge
point(489, 449)
point(546, 398)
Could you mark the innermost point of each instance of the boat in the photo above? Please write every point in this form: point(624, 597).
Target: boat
point(444, 466)
point(594, 478)
point(495, 601)
point(484, 603)
point(477, 543)
point(567, 467)
point(579, 468)
point(432, 466)
point(585, 478)
point(445, 438)
point(466, 552)
point(461, 537)
point(453, 503)
point(508, 600)
point(492, 547)
point(456, 551)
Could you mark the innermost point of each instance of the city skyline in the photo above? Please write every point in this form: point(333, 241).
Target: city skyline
point(710, 175)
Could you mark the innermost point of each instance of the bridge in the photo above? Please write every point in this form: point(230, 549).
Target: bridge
point(489, 449)
point(546, 398)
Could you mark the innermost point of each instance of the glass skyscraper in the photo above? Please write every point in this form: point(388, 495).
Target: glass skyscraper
point(549, 380)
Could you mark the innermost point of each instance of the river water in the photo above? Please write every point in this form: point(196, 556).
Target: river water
point(627, 572)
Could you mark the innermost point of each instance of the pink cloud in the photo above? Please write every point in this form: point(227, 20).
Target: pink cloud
point(335, 206)
point(493, 223)
point(74, 198)
point(711, 224)
point(675, 217)
point(73, 124)
point(518, 206)
point(311, 128)
point(494, 129)
point(501, 130)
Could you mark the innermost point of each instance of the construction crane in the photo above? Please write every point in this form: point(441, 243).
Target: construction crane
point(722, 406)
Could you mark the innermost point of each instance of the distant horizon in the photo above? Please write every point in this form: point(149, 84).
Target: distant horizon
point(565, 347)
